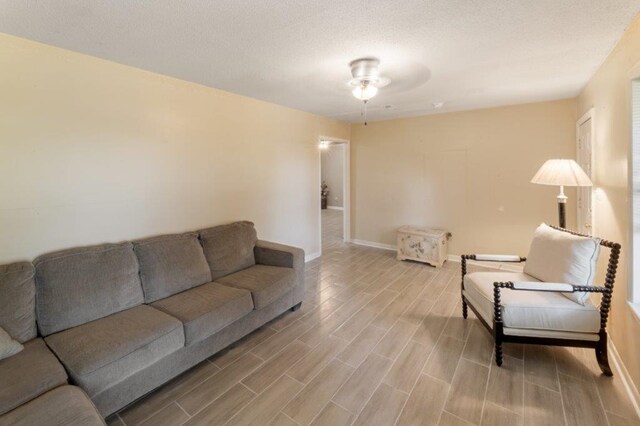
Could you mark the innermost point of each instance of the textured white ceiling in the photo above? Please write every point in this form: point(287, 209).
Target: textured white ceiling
point(466, 53)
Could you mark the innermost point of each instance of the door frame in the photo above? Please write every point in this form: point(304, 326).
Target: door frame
point(633, 268)
point(589, 115)
point(346, 183)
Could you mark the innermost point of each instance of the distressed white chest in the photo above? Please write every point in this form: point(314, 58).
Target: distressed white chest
point(423, 245)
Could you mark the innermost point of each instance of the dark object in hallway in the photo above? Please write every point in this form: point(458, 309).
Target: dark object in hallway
point(324, 195)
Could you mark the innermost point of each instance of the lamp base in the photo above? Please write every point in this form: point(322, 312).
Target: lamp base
point(562, 203)
point(562, 215)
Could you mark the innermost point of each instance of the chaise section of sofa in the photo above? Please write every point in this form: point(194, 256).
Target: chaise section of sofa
point(29, 374)
point(63, 406)
point(34, 370)
point(30, 377)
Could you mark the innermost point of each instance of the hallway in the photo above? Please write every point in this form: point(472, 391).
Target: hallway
point(332, 225)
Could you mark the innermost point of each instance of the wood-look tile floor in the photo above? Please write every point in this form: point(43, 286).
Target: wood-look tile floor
point(382, 342)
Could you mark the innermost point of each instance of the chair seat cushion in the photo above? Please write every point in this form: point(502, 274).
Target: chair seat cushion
point(28, 374)
point(266, 283)
point(105, 351)
point(535, 310)
point(206, 309)
point(65, 405)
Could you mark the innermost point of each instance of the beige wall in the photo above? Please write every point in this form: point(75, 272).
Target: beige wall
point(333, 173)
point(609, 93)
point(467, 172)
point(93, 151)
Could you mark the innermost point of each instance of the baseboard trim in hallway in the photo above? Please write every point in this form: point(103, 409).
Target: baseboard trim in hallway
point(311, 256)
point(374, 244)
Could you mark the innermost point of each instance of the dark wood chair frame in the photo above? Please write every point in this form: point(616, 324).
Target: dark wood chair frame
point(497, 330)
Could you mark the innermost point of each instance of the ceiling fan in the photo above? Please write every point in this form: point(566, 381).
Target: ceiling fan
point(366, 80)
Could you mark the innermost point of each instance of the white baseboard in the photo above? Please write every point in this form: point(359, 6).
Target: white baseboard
point(335, 208)
point(374, 244)
point(310, 256)
point(630, 387)
point(508, 267)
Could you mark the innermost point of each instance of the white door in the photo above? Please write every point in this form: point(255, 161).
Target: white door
point(585, 160)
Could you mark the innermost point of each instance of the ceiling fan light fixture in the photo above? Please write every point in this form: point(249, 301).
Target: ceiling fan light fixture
point(364, 92)
point(366, 81)
point(366, 78)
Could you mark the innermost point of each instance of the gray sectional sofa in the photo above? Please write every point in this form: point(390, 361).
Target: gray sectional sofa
point(125, 318)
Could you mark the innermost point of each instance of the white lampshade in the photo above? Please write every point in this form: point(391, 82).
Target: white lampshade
point(561, 173)
point(365, 92)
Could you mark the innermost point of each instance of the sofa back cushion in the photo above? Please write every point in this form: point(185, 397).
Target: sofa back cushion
point(83, 284)
point(229, 248)
point(18, 301)
point(560, 257)
point(170, 264)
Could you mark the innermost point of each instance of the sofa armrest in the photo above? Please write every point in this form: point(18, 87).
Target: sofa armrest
point(274, 254)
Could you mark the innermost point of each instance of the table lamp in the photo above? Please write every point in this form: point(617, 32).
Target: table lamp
point(560, 172)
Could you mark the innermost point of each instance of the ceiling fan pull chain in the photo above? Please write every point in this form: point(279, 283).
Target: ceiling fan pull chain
point(365, 112)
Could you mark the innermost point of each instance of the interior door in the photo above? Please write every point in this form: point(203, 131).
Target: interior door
point(585, 160)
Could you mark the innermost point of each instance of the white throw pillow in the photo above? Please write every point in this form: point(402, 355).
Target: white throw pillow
point(561, 257)
point(8, 346)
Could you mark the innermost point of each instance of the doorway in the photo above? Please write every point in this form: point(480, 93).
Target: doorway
point(335, 198)
point(584, 135)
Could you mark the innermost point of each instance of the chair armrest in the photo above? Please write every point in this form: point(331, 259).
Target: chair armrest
point(494, 257)
point(274, 254)
point(553, 287)
point(538, 286)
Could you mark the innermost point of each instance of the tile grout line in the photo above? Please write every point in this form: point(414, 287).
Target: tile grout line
point(458, 417)
point(564, 410)
point(183, 410)
point(285, 414)
point(239, 381)
point(451, 385)
point(604, 410)
point(486, 390)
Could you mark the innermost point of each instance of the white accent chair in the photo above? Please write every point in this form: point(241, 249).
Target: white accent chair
point(548, 303)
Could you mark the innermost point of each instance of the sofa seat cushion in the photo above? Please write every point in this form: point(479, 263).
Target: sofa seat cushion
point(28, 374)
point(105, 351)
point(266, 283)
point(62, 406)
point(535, 310)
point(206, 309)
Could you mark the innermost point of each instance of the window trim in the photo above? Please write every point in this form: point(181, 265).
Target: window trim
point(633, 299)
